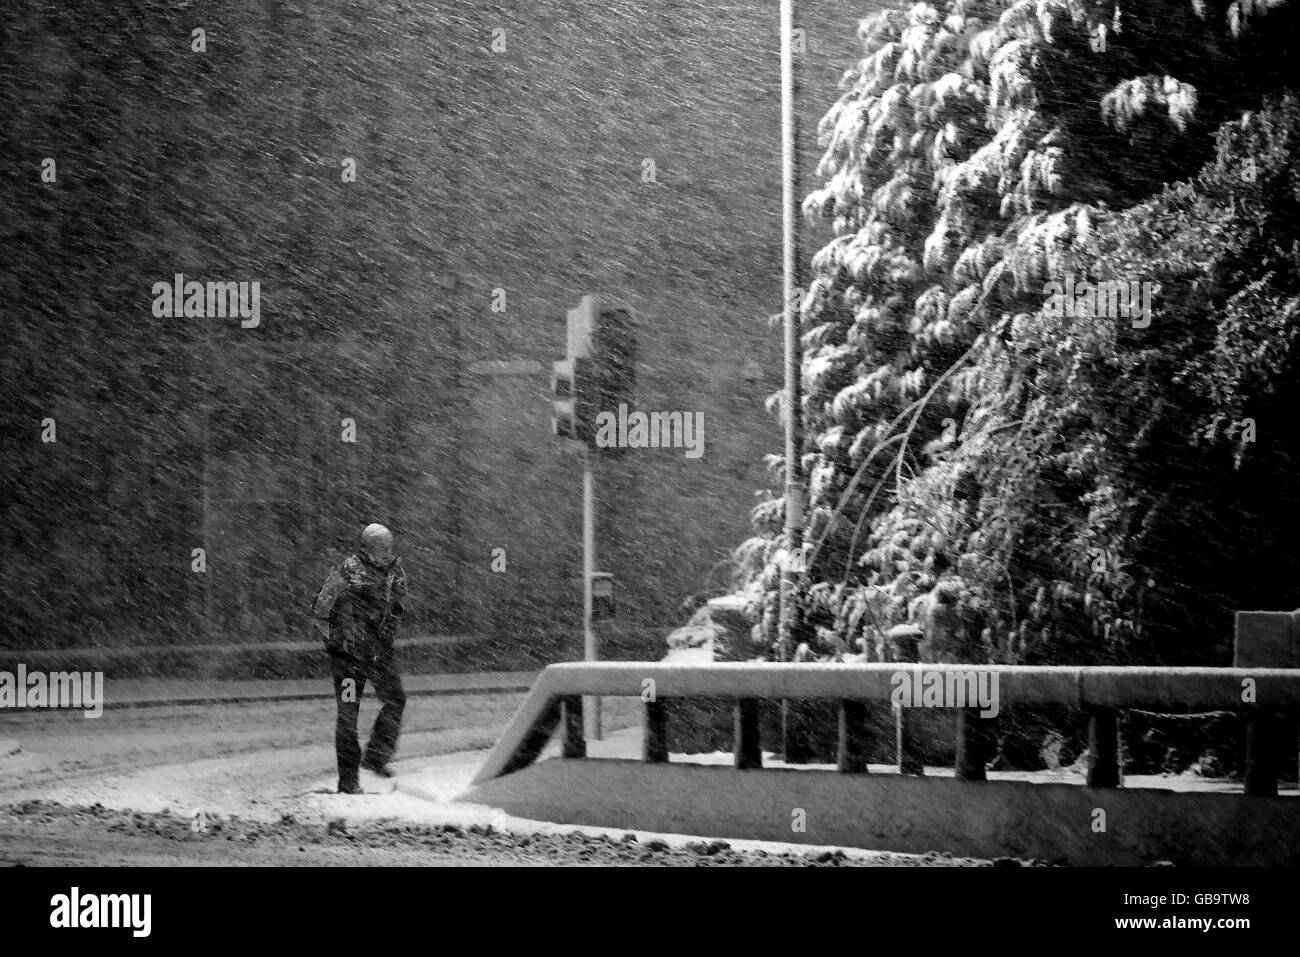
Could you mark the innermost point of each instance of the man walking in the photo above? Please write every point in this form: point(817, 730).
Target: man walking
point(356, 613)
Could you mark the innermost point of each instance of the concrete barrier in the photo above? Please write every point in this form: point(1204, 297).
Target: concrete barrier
point(1101, 823)
point(895, 812)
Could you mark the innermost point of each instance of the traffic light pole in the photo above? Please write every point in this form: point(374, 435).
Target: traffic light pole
point(591, 704)
point(598, 372)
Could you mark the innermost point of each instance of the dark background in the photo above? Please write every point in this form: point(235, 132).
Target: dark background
point(475, 170)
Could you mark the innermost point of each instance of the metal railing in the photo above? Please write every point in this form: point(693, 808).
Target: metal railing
point(1259, 694)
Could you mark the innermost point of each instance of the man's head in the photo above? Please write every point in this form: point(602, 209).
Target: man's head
point(377, 544)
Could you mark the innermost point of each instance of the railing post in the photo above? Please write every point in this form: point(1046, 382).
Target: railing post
point(852, 755)
point(1261, 755)
point(972, 745)
point(1104, 769)
point(748, 752)
point(909, 758)
point(573, 742)
point(654, 740)
point(794, 737)
point(1265, 639)
point(534, 739)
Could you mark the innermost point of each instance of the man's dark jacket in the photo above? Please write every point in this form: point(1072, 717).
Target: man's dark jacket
point(358, 607)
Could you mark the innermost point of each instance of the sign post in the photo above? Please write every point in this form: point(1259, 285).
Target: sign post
point(793, 737)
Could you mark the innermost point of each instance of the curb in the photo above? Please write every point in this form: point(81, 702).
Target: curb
point(504, 688)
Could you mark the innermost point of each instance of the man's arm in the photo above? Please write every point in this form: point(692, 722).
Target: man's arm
point(325, 599)
point(399, 591)
point(396, 604)
point(345, 630)
point(334, 596)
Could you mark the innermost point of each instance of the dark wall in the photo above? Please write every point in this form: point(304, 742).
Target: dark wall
point(476, 170)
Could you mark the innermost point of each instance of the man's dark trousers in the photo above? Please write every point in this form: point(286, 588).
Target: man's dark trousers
point(381, 671)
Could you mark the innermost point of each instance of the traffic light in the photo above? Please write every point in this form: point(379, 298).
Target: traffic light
point(573, 417)
point(613, 349)
point(599, 372)
point(564, 418)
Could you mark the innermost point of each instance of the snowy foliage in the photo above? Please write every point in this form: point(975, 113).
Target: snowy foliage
point(1039, 470)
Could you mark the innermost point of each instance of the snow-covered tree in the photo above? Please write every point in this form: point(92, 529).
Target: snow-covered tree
point(972, 449)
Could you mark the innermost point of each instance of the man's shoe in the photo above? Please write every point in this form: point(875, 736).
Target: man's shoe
point(383, 770)
point(351, 788)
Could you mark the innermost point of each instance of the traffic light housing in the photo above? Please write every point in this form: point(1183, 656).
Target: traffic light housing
point(613, 348)
point(599, 372)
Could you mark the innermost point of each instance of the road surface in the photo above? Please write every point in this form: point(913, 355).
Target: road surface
point(251, 783)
